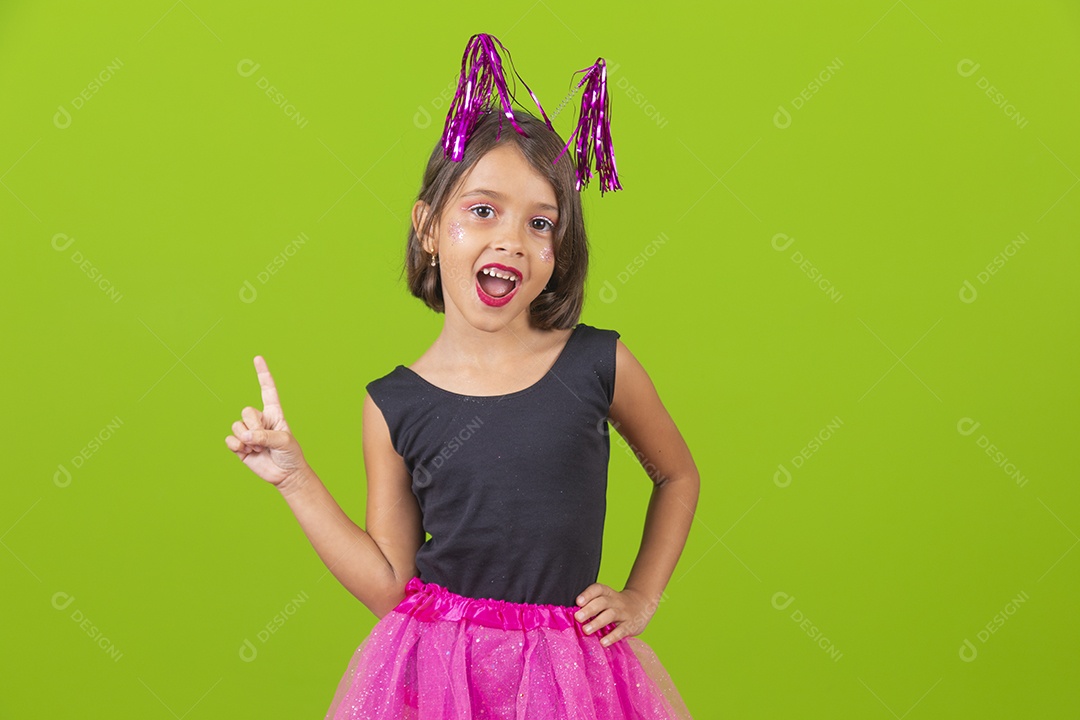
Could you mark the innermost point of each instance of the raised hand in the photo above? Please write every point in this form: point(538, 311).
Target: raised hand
point(263, 439)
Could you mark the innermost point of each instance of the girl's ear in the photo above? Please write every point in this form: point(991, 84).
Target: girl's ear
point(420, 213)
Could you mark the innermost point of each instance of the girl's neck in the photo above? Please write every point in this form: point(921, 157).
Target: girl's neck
point(479, 361)
point(475, 346)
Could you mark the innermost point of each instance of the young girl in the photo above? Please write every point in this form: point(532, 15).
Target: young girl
point(495, 444)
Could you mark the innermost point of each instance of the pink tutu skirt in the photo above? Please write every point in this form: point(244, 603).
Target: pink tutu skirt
point(443, 656)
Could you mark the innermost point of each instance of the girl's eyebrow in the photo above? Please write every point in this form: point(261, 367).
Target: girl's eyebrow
point(499, 196)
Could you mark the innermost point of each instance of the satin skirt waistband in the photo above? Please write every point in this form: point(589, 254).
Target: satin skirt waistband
point(431, 601)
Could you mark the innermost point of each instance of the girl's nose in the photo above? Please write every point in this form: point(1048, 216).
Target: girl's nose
point(511, 240)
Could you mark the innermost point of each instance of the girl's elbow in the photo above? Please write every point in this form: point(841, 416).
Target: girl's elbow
point(688, 482)
point(687, 476)
point(693, 480)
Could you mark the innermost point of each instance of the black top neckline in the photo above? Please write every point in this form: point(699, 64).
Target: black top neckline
point(550, 372)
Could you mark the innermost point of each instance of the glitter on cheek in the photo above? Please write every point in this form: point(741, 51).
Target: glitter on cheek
point(546, 255)
point(456, 232)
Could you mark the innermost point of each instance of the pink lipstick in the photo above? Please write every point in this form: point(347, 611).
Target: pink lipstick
point(501, 275)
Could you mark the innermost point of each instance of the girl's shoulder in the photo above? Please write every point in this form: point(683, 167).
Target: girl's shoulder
point(597, 336)
point(596, 331)
point(594, 359)
point(393, 384)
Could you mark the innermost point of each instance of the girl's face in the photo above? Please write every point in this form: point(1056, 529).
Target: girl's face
point(495, 240)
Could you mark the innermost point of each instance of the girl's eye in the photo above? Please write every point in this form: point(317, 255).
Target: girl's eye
point(485, 211)
point(488, 208)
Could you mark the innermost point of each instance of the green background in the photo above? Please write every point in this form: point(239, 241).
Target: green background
point(813, 196)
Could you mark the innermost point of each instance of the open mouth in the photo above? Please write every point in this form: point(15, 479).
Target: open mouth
point(496, 284)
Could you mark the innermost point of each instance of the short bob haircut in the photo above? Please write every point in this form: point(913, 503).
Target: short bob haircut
point(559, 305)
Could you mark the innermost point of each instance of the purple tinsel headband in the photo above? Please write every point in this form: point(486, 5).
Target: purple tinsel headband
point(594, 130)
point(482, 73)
point(481, 69)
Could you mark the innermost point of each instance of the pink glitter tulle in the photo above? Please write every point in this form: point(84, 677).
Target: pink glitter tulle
point(443, 656)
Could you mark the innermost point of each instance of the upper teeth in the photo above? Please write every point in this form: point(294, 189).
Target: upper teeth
point(499, 273)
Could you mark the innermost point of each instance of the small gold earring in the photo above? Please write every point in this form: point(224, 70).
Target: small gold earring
point(433, 260)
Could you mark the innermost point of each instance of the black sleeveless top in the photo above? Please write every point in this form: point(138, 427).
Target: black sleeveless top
point(512, 488)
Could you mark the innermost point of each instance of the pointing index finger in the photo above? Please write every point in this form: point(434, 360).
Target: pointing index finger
point(266, 382)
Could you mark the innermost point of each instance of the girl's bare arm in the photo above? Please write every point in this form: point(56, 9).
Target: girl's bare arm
point(373, 565)
point(649, 433)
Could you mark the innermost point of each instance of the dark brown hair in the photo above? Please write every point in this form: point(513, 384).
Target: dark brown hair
point(559, 305)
